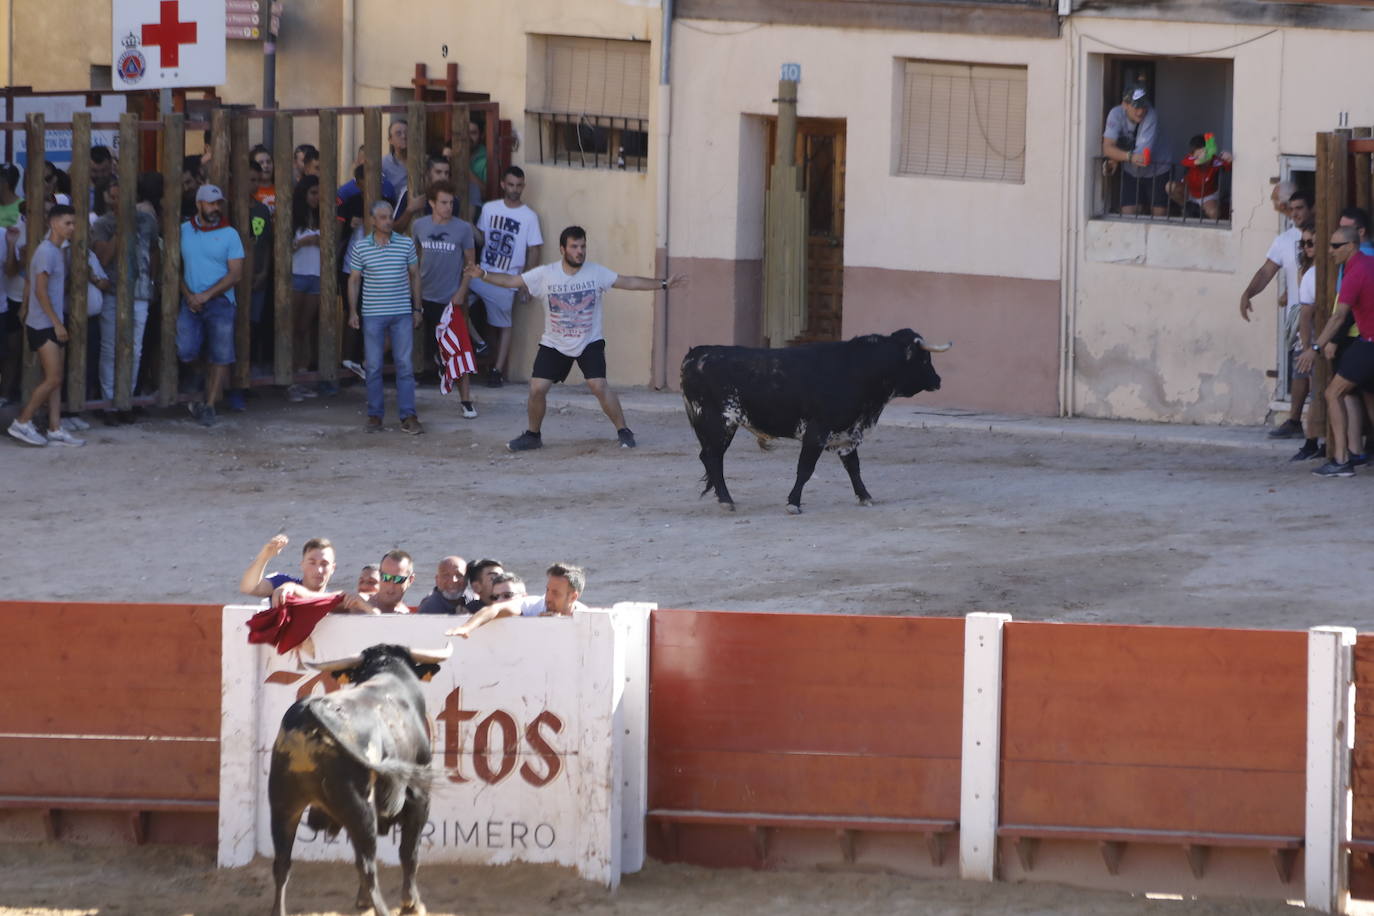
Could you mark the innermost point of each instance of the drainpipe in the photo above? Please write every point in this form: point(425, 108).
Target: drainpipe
point(661, 164)
point(350, 83)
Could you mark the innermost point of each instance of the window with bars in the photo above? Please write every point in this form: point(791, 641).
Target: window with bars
point(592, 109)
point(963, 120)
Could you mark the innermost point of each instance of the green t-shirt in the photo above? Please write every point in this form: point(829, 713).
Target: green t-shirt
point(9, 214)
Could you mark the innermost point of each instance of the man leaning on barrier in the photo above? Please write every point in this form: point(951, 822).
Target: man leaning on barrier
point(560, 599)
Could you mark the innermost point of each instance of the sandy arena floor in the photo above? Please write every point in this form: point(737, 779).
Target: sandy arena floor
point(1072, 529)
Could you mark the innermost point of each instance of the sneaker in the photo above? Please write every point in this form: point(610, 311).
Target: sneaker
point(1357, 461)
point(627, 438)
point(1308, 452)
point(412, 426)
point(479, 347)
point(75, 424)
point(196, 408)
point(1334, 468)
point(494, 379)
point(207, 416)
point(62, 437)
point(235, 401)
point(25, 432)
point(356, 369)
point(1288, 429)
point(525, 442)
point(295, 394)
point(307, 391)
point(328, 389)
point(468, 410)
point(373, 425)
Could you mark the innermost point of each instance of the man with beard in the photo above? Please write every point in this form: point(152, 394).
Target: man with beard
point(211, 259)
point(449, 580)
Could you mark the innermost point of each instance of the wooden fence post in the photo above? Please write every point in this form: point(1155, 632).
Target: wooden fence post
point(329, 247)
point(1331, 199)
point(1361, 169)
point(219, 148)
point(416, 160)
point(35, 139)
point(173, 149)
point(126, 260)
point(241, 218)
point(78, 308)
point(373, 143)
point(283, 362)
point(460, 163)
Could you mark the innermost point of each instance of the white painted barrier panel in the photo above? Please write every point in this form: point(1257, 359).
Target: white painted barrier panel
point(539, 728)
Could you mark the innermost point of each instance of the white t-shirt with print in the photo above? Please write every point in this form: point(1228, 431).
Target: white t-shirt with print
point(1307, 295)
point(572, 318)
point(534, 606)
point(506, 234)
point(1284, 252)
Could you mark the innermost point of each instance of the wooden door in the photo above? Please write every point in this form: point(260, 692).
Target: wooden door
point(820, 152)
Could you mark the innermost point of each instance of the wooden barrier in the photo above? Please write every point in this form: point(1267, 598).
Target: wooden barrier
point(1158, 735)
point(763, 722)
point(1362, 773)
point(112, 708)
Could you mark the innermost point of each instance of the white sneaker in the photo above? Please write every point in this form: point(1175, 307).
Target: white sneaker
point(295, 394)
point(74, 424)
point(62, 437)
point(25, 432)
point(356, 369)
point(468, 410)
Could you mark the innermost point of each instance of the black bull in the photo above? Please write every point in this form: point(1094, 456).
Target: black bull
point(359, 759)
point(827, 395)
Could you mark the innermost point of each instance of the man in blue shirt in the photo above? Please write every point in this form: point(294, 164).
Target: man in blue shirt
point(211, 262)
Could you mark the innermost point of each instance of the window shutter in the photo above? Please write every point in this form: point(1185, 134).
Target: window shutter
point(964, 121)
point(595, 76)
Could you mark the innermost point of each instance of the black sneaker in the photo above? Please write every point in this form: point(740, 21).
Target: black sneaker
point(494, 379)
point(1308, 452)
point(1288, 429)
point(196, 408)
point(1335, 468)
point(1357, 461)
point(627, 438)
point(525, 442)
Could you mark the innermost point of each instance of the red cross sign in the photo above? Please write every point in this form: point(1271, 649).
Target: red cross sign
point(169, 34)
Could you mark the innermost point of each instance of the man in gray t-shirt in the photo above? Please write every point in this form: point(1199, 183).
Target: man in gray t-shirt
point(48, 269)
point(446, 245)
point(1132, 142)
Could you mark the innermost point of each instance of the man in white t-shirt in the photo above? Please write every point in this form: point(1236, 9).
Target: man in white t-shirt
point(574, 289)
point(508, 231)
point(560, 599)
point(1283, 255)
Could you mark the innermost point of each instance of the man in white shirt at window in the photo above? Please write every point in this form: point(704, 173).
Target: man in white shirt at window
point(560, 599)
point(1283, 255)
point(574, 288)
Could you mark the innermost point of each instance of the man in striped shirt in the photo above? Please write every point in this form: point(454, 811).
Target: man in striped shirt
point(390, 308)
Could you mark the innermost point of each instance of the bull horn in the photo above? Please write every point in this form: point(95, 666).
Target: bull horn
point(432, 656)
point(337, 664)
point(935, 348)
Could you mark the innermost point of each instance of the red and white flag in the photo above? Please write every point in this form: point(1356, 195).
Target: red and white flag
point(455, 348)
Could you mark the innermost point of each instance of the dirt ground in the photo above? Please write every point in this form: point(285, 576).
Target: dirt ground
point(1070, 529)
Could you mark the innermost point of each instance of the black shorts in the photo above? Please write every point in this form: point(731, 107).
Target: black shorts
point(1144, 192)
point(554, 366)
point(1357, 364)
point(9, 322)
point(40, 336)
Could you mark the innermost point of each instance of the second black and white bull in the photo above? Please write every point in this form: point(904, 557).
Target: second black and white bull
point(827, 395)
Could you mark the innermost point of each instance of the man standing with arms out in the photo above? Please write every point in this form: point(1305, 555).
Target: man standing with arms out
point(390, 307)
point(510, 237)
point(211, 260)
point(1132, 142)
point(1356, 367)
point(572, 329)
point(1283, 255)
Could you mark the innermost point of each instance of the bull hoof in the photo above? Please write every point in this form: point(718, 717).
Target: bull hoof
point(866, 502)
point(414, 909)
point(793, 510)
point(728, 507)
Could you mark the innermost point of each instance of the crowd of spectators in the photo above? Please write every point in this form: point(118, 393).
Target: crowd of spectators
point(482, 591)
point(212, 255)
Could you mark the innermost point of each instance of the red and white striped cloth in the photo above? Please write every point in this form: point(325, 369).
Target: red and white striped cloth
point(455, 348)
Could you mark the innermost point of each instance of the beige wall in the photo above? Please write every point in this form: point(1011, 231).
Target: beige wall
point(1155, 309)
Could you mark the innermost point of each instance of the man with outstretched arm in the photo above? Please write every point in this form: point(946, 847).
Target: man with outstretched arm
point(560, 599)
point(573, 288)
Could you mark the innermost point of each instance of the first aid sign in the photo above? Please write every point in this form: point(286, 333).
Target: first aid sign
point(167, 44)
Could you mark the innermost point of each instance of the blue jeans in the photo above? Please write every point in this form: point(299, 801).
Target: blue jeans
point(402, 332)
point(211, 328)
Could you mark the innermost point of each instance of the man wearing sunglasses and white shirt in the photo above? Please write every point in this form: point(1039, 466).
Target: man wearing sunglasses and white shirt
point(397, 572)
point(560, 599)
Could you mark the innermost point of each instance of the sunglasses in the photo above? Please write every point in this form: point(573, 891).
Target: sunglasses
point(1309, 243)
point(394, 577)
point(1336, 246)
point(504, 596)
